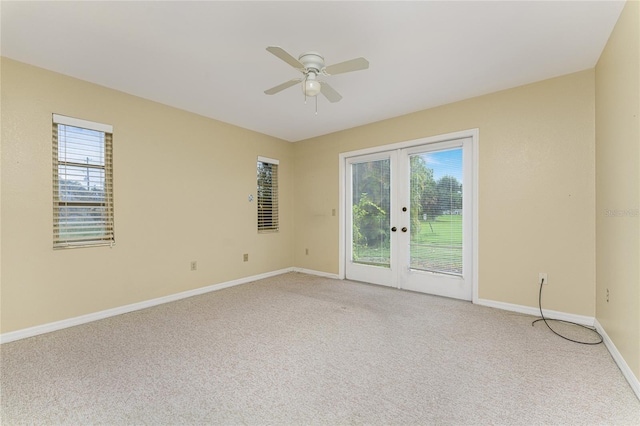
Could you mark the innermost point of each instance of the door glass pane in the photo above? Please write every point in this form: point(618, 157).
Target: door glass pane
point(436, 211)
point(370, 210)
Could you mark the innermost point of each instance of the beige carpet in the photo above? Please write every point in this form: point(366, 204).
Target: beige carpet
point(298, 349)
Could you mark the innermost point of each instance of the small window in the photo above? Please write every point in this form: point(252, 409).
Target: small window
point(82, 183)
point(267, 195)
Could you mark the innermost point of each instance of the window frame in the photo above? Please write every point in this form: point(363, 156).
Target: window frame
point(62, 207)
point(273, 211)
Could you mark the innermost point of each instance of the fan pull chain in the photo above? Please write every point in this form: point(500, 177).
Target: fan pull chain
point(316, 104)
point(304, 90)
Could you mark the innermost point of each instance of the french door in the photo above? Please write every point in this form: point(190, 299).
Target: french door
point(408, 218)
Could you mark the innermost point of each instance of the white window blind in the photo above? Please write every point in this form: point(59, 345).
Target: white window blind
point(437, 211)
point(268, 220)
point(82, 183)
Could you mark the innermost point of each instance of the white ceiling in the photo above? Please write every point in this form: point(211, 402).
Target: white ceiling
point(210, 58)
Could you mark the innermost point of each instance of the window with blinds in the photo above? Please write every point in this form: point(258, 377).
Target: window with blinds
point(268, 220)
point(82, 183)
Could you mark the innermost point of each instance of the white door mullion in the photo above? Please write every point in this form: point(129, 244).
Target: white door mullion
point(395, 217)
point(404, 217)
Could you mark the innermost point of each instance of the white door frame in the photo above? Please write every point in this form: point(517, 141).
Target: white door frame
point(471, 133)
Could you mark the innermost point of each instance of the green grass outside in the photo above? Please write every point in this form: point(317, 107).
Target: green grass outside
point(445, 230)
point(437, 246)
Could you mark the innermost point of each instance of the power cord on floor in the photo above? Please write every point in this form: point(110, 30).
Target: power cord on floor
point(566, 322)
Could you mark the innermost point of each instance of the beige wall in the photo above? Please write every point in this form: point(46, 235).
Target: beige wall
point(182, 183)
point(618, 186)
point(536, 196)
point(536, 188)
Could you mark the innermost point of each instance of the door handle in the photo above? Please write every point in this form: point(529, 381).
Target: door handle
point(394, 229)
point(404, 229)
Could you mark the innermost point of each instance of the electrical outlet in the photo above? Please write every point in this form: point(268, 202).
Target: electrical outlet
point(306, 251)
point(245, 257)
point(543, 276)
point(607, 295)
point(194, 265)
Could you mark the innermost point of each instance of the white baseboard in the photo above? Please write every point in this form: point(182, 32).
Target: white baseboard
point(318, 273)
point(70, 322)
point(617, 357)
point(528, 310)
point(579, 319)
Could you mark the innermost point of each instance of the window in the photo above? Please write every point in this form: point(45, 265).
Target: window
point(82, 183)
point(267, 195)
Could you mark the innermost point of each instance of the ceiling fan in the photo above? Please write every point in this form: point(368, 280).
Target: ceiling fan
point(311, 65)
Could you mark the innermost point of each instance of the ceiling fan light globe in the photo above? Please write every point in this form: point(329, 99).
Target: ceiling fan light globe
point(311, 87)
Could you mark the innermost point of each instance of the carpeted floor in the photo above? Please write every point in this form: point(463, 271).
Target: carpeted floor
point(299, 349)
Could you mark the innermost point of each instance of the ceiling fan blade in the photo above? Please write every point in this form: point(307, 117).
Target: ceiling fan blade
point(347, 66)
point(285, 56)
point(281, 87)
point(329, 92)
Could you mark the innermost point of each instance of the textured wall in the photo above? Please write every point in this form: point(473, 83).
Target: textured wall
point(618, 186)
point(536, 188)
point(182, 183)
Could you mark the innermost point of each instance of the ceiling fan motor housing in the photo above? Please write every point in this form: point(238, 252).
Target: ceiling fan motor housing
point(312, 61)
